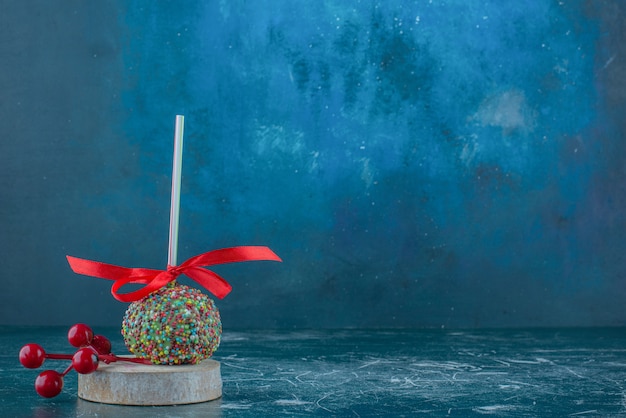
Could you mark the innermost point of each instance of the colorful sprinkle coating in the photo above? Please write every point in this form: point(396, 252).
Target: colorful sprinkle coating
point(174, 325)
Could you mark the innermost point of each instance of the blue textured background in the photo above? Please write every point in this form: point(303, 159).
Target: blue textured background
point(415, 163)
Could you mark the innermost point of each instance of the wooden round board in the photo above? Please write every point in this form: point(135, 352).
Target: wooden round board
point(126, 383)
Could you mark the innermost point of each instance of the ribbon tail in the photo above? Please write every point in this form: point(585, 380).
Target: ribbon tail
point(107, 271)
point(152, 284)
point(153, 279)
point(233, 255)
point(210, 281)
point(97, 269)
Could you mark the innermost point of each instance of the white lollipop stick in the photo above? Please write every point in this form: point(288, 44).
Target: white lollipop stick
point(175, 203)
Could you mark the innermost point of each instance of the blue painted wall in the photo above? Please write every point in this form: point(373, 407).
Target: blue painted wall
point(415, 163)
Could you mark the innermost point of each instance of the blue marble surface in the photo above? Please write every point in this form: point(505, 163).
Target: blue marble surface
point(415, 164)
point(463, 373)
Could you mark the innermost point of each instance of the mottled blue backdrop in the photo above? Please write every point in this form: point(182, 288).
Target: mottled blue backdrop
point(415, 163)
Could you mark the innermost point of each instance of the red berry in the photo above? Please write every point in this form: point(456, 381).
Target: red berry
point(32, 356)
point(49, 383)
point(80, 335)
point(85, 360)
point(102, 344)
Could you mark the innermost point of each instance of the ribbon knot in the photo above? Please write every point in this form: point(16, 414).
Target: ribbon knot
point(156, 279)
point(174, 270)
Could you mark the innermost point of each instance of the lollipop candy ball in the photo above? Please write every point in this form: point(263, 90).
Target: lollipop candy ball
point(174, 325)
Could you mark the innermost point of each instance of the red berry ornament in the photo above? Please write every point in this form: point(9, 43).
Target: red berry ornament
point(102, 344)
point(91, 350)
point(85, 360)
point(49, 383)
point(80, 335)
point(32, 356)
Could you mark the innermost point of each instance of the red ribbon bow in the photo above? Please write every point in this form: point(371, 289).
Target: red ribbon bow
point(156, 279)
